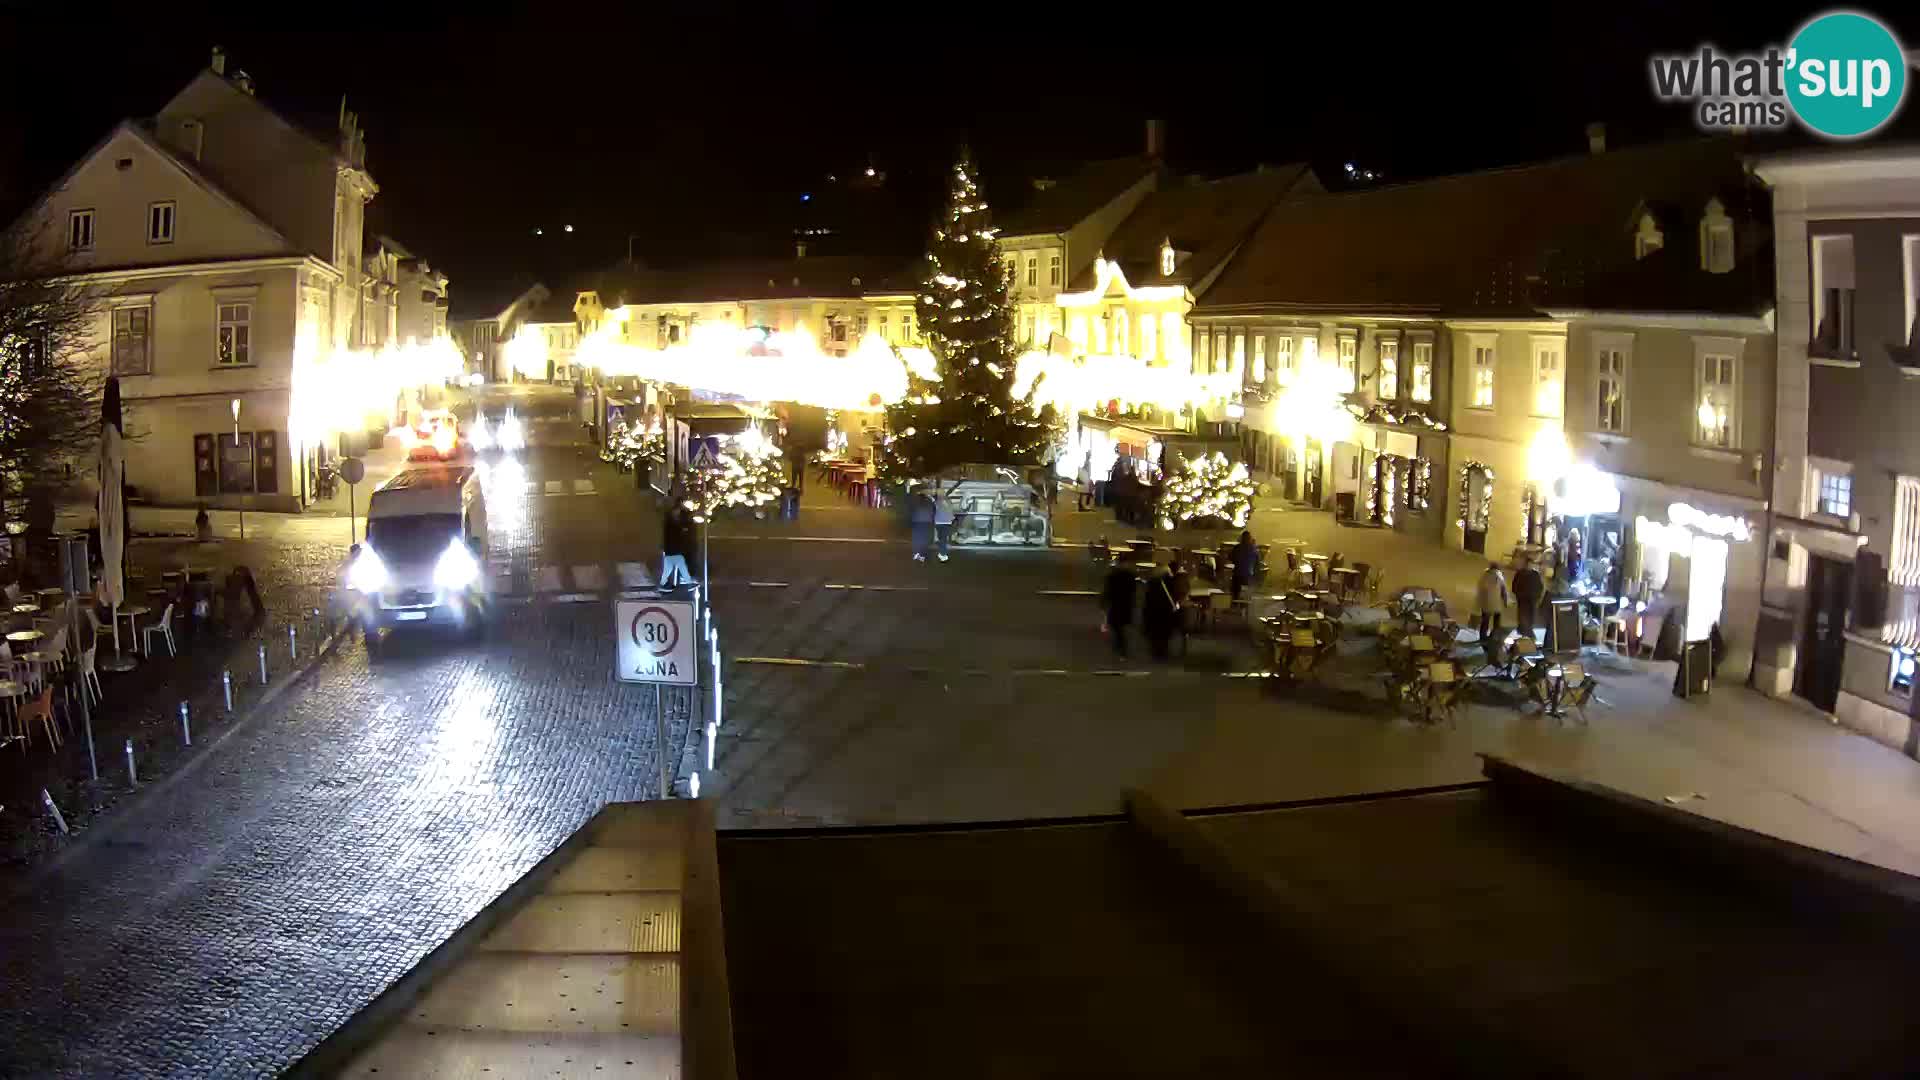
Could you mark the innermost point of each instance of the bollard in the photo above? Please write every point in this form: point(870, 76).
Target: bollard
point(263, 665)
point(226, 687)
point(693, 785)
point(133, 778)
point(293, 644)
point(712, 730)
point(186, 729)
point(52, 809)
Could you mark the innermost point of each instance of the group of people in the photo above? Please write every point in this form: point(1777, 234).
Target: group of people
point(1133, 502)
point(1491, 596)
point(1162, 598)
point(932, 519)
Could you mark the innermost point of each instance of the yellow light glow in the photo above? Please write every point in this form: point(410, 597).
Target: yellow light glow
point(527, 353)
point(1105, 273)
point(1310, 406)
point(781, 366)
point(360, 389)
point(1548, 457)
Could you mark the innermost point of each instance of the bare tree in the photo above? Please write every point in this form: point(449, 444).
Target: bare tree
point(49, 385)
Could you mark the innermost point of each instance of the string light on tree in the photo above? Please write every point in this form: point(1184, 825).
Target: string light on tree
point(747, 473)
point(966, 408)
point(1210, 488)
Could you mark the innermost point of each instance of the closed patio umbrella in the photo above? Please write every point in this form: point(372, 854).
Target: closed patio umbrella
point(112, 516)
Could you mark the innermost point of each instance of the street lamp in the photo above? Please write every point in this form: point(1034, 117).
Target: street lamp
point(236, 450)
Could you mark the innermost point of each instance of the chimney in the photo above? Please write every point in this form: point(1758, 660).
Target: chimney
point(1596, 138)
point(1156, 138)
point(800, 249)
point(219, 64)
point(244, 82)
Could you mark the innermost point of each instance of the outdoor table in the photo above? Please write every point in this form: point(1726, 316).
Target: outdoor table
point(1342, 579)
point(1315, 565)
point(26, 609)
point(51, 592)
point(1603, 605)
point(12, 692)
point(130, 614)
point(25, 637)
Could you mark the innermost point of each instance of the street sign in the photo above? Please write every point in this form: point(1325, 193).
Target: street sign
point(655, 641)
point(352, 470)
point(703, 451)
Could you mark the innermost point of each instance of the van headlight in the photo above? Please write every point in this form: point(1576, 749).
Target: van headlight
point(457, 567)
point(367, 574)
point(478, 436)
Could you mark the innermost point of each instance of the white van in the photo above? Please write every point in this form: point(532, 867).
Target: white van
point(425, 557)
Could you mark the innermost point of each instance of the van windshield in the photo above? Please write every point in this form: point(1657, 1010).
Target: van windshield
point(416, 538)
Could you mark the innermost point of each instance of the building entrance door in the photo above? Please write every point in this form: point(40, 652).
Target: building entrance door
point(1823, 643)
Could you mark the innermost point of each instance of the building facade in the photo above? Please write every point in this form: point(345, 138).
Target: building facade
point(225, 244)
point(1843, 567)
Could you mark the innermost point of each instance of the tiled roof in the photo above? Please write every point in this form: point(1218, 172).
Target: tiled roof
point(1206, 221)
point(759, 279)
point(1557, 235)
point(1071, 199)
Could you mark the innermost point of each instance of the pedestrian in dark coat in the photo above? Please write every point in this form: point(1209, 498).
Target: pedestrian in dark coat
point(1117, 599)
point(1246, 559)
point(1528, 588)
point(1159, 613)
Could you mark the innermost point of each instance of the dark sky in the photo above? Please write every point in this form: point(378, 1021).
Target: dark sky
point(697, 134)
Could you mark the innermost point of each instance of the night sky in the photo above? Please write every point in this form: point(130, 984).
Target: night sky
point(697, 136)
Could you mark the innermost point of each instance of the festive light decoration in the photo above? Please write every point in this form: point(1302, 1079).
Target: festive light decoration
point(1479, 520)
point(346, 389)
point(966, 408)
point(1209, 488)
point(627, 444)
point(1381, 488)
point(746, 473)
point(1384, 414)
point(749, 363)
point(526, 353)
point(1420, 484)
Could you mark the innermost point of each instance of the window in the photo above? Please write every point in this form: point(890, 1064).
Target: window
point(236, 463)
point(1219, 352)
point(1053, 270)
point(1610, 382)
point(235, 341)
point(1149, 348)
point(1033, 270)
point(1166, 260)
point(1832, 297)
point(1202, 353)
point(1716, 239)
point(1348, 358)
point(131, 352)
point(1484, 359)
point(1900, 672)
point(1238, 363)
point(884, 330)
point(1904, 567)
point(1029, 324)
point(1260, 360)
point(1549, 389)
point(1836, 493)
point(160, 223)
point(80, 230)
point(1648, 238)
point(906, 327)
point(1716, 390)
point(1387, 381)
point(1122, 343)
point(1283, 359)
point(1422, 388)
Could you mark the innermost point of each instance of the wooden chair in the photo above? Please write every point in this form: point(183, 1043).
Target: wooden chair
point(41, 709)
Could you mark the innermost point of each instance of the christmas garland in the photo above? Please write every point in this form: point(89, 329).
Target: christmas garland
point(1419, 484)
point(1209, 487)
point(747, 472)
point(1466, 495)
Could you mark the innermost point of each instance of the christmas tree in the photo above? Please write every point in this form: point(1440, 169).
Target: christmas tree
point(1211, 489)
point(968, 411)
point(748, 473)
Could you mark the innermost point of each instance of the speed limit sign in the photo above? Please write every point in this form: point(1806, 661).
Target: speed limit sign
point(654, 642)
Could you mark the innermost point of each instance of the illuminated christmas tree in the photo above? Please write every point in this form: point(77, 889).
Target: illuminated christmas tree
point(968, 412)
point(747, 473)
point(1209, 489)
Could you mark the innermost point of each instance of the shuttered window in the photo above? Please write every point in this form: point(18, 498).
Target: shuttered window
point(1905, 565)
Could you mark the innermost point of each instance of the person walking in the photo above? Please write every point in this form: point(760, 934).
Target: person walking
point(1528, 588)
point(1159, 613)
point(1117, 599)
point(1180, 581)
point(942, 523)
point(1489, 598)
point(1246, 559)
point(920, 516)
point(1084, 480)
point(676, 543)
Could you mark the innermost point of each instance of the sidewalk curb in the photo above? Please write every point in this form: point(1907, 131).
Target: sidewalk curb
point(93, 835)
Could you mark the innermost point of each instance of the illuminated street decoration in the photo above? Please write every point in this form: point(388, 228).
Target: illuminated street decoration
point(1210, 487)
point(344, 390)
point(1478, 522)
point(747, 473)
point(1105, 273)
point(1548, 457)
point(526, 353)
point(749, 363)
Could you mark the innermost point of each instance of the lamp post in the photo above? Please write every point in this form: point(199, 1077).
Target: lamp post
point(236, 449)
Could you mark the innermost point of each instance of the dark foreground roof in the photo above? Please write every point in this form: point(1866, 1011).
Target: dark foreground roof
point(1526, 926)
point(1516, 241)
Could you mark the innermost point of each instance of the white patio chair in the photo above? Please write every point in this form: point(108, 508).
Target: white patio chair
point(164, 628)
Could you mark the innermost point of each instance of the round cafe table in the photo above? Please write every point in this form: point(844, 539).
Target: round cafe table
point(12, 692)
point(122, 662)
point(25, 637)
point(51, 592)
point(26, 609)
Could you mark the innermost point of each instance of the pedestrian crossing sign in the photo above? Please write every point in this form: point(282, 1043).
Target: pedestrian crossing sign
point(703, 455)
